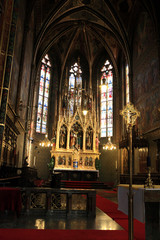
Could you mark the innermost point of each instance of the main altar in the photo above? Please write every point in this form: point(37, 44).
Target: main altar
point(75, 142)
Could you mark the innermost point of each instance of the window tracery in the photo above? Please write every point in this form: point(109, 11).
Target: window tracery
point(43, 96)
point(106, 99)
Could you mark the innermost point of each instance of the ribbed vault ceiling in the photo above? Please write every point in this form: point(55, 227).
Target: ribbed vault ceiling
point(90, 26)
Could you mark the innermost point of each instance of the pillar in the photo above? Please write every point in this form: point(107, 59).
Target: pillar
point(68, 135)
point(84, 140)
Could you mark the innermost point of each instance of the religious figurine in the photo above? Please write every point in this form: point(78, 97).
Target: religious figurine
point(62, 140)
point(81, 162)
point(62, 137)
point(97, 143)
point(88, 141)
point(69, 161)
point(75, 157)
point(73, 140)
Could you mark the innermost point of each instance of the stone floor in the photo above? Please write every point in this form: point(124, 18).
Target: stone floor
point(100, 222)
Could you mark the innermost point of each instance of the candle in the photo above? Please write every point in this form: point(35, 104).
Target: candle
point(148, 161)
point(34, 161)
point(116, 164)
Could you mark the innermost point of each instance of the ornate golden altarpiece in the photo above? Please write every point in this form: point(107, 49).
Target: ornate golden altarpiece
point(75, 142)
point(76, 145)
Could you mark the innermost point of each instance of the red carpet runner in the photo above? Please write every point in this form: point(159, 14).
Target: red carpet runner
point(105, 205)
point(49, 234)
point(110, 208)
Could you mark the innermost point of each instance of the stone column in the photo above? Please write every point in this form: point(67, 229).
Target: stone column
point(57, 138)
point(68, 135)
point(84, 140)
point(94, 141)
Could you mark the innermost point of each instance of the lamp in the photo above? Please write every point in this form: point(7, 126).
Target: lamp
point(85, 112)
point(109, 145)
point(46, 142)
point(130, 114)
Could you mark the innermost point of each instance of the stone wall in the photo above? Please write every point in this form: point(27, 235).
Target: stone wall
point(146, 81)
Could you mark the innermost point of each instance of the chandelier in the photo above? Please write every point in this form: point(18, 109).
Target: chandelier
point(46, 142)
point(109, 145)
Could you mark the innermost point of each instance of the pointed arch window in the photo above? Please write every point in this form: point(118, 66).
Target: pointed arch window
point(106, 100)
point(127, 83)
point(42, 112)
point(75, 87)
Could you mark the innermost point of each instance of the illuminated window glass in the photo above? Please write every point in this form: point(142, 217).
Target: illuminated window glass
point(106, 108)
point(43, 96)
point(127, 84)
point(75, 87)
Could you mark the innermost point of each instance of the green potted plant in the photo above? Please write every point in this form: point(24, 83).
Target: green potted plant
point(51, 166)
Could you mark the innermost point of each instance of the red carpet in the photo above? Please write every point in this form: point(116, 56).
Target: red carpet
point(110, 208)
point(49, 234)
point(83, 184)
point(109, 191)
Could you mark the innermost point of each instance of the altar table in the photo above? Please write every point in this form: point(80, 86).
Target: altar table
point(78, 174)
point(10, 199)
point(138, 200)
point(139, 193)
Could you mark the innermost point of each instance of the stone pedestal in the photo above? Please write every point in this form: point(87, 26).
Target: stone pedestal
point(56, 180)
point(152, 213)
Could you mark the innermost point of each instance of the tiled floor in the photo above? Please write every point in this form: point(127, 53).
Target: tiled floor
point(100, 222)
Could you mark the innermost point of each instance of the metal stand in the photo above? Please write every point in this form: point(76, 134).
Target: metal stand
point(130, 115)
point(130, 196)
point(148, 182)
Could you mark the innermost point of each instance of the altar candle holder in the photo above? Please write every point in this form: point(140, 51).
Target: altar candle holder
point(149, 182)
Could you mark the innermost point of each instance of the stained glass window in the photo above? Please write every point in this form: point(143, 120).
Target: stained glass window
point(43, 96)
point(106, 110)
point(75, 87)
point(127, 84)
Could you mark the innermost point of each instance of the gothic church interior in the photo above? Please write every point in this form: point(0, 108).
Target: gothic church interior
point(67, 70)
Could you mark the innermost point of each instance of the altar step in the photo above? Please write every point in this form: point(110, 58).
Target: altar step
point(84, 184)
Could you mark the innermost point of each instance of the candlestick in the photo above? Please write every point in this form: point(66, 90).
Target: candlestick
point(34, 161)
point(149, 182)
point(148, 161)
point(116, 164)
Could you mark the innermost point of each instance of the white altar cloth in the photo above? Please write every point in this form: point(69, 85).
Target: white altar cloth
point(138, 201)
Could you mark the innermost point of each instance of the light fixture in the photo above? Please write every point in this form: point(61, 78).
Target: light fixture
point(85, 112)
point(46, 142)
point(109, 145)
